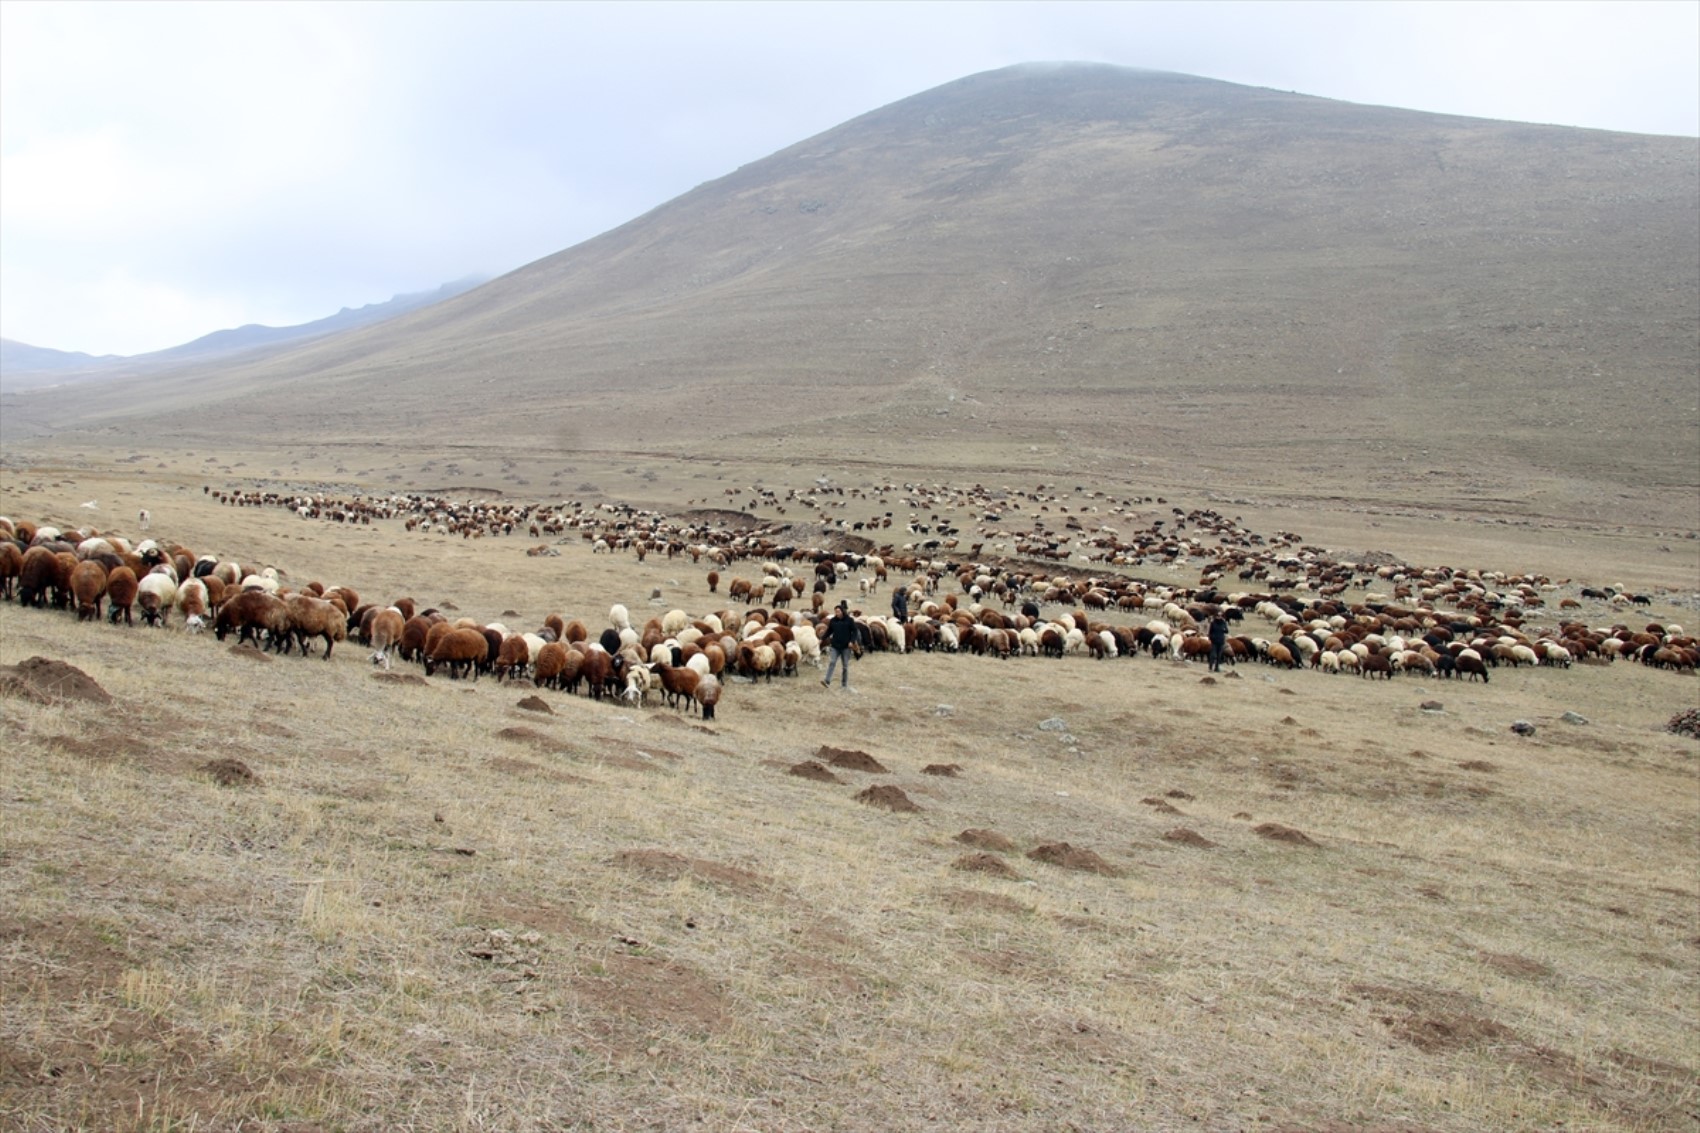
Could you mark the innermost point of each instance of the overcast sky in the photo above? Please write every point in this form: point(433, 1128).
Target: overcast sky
point(167, 170)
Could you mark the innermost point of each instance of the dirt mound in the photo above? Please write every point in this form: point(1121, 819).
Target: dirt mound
point(809, 769)
point(249, 653)
point(1275, 832)
point(987, 840)
point(536, 704)
point(44, 681)
point(951, 770)
point(542, 741)
point(1685, 723)
point(400, 678)
point(1477, 765)
point(1188, 838)
point(985, 863)
point(1065, 856)
point(889, 797)
point(1161, 806)
point(851, 760)
point(231, 773)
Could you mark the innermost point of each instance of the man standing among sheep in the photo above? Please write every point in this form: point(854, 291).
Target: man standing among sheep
point(900, 603)
point(1218, 641)
point(840, 632)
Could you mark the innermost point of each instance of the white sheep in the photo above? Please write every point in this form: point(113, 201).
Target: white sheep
point(619, 618)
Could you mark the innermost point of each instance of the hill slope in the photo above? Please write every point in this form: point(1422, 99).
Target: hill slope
point(1122, 265)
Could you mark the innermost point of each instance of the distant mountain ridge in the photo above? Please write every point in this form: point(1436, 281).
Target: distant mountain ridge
point(22, 364)
point(1113, 268)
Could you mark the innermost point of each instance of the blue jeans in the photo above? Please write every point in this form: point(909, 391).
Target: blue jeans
point(832, 661)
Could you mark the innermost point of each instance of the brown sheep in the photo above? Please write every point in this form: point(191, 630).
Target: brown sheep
point(512, 657)
point(315, 617)
point(462, 650)
point(250, 613)
point(37, 572)
point(11, 566)
point(414, 636)
point(385, 634)
point(88, 584)
point(122, 587)
point(550, 662)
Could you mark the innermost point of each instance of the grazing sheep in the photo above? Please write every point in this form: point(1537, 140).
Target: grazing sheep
point(251, 613)
point(548, 665)
point(156, 594)
point(121, 591)
point(619, 617)
point(512, 658)
point(385, 634)
point(311, 617)
point(707, 695)
point(88, 584)
point(37, 572)
point(462, 650)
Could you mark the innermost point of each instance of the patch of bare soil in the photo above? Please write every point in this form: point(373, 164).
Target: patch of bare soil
point(45, 681)
point(851, 760)
point(1065, 856)
point(400, 678)
point(987, 840)
point(247, 652)
point(889, 797)
point(528, 769)
point(231, 773)
point(671, 866)
point(1276, 832)
point(1187, 837)
point(535, 704)
point(809, 769)
point(1161, 806)
point(520, 734)
point(985, 863)
point(976, 900)
point(629, 998)
point(949, 770)
point(1478, 765)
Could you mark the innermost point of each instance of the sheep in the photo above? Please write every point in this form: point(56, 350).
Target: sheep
point(37, 572)
point(462, 650)
point(619, 617)
point(193, 604)
point(11, 565)
point(252, 612)
point(547, 666)
point(638, 683)
point(121, 591)
point(385, 634)
point(707, 695)
point(512, 658)
point(315, 617)
point(156, 592)
point(88, 583)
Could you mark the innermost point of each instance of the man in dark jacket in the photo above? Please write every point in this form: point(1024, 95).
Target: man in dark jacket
point(900, 603)
point(1218, 642)
point(840, 633)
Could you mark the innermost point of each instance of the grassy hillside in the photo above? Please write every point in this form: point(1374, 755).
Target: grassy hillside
point(1245, 286)
point(1314, 904)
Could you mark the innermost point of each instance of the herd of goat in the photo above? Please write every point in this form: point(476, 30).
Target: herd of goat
point(1437, 621)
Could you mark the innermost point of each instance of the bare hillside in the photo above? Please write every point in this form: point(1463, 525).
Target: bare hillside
point(1135, 266)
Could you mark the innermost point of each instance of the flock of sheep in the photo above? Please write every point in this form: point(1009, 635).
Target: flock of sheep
point(1431, 621)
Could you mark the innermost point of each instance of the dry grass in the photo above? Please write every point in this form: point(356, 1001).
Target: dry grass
point(617, 918)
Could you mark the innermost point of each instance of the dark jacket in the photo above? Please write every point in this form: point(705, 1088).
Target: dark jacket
point(841, 630)
point(1218, 631)
point(900, 604)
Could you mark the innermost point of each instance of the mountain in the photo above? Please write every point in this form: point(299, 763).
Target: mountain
point(23, 365)
point(1135, 269)
point(21, 357)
